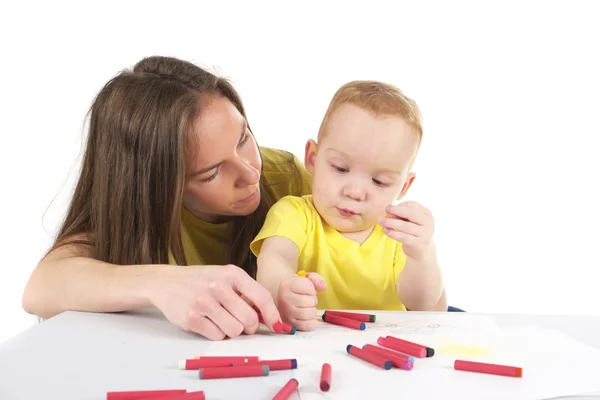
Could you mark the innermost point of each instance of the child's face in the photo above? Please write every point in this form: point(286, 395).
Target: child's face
point(360, 167)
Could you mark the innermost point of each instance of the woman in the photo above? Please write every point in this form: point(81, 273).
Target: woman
point(172, 187)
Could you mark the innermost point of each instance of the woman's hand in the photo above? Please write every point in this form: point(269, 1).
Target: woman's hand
point(213, 301)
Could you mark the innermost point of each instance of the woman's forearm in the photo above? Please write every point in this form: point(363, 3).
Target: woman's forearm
point(86, 284)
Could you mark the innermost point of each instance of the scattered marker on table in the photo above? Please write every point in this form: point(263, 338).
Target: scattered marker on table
point(381, 362)
point(229, 358)
point(199, 395)
point(341, 321)
point(485, 368)
point(144, 394)
point(429, 351)
point(355, 316)
point(325, 383)
point(220, 361)
point(233, 372)
point(186, 396)
point(287, 390)
point(275, 365)
point(399, 360)
point(402, 347)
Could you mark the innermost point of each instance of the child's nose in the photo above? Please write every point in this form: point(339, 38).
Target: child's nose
point(355, 191)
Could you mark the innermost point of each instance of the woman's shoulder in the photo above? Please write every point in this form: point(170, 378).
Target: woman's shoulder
point(285, 173)
point(277, 157)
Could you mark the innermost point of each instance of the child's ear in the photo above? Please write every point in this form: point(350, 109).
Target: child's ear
point(310, 153)
point(409, 181)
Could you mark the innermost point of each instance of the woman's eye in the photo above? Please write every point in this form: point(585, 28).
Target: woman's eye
point(244, 139)
point(210, 178)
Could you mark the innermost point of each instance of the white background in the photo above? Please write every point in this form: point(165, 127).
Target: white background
point(510, 94)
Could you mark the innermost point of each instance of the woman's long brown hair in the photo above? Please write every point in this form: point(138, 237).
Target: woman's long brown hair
point(127, 202)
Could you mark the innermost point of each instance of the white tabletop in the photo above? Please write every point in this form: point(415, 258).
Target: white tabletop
point(84, 355)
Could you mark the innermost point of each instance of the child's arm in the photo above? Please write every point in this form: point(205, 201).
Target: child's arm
point(419, 285)
point(296, 297)
point(277, 260)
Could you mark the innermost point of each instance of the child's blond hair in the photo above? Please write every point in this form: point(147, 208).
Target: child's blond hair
point(377, 97)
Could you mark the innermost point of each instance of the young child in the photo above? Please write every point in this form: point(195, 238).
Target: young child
point(359, 249)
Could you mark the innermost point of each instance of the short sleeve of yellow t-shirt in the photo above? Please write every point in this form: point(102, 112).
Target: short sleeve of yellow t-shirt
point(289, 218)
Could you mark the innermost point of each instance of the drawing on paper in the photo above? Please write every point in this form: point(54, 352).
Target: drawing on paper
point(470, 349)
point(417, 326)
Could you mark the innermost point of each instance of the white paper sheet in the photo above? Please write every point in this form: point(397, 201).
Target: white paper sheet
point(553, 364)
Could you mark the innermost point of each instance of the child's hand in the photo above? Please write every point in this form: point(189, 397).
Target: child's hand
point(297, 300)
point(411, 224)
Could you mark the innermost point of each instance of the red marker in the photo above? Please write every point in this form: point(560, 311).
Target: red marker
point(189, 396)
point(211, 362)
point(195, 395)
point(275, 365)
point(398, 360)
point(381, 362)
point(325, 377)
point(401, 347)
point(429, 350)
point(287, 328)
point(287, 390)
point(485, 368)
point(145, 394)
point(341, 321)
point(279, 327)
point(354, 316)
point(233, 372)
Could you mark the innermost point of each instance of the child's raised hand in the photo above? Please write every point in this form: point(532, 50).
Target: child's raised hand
point(297, 300)
point(412, 225)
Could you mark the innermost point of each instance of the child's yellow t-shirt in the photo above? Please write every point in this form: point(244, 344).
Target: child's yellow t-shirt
point(205, 243)
point(358, 277)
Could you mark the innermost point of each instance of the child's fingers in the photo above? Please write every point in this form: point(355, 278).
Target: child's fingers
point(399, 225)
point(317, 281)
point(304, 325)
point(299, 300)
point(301, 285)
point(303, 314)
point(412, 214)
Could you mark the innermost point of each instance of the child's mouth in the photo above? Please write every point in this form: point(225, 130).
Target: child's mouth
point(345, 213)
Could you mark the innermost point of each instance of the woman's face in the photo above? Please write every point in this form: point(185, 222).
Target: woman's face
point(225, 172)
